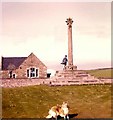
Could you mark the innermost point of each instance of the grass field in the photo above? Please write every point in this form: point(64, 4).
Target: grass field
point(102, 73)
point(88, 101)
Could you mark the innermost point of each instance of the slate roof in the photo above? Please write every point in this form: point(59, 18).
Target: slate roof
point(16, 61)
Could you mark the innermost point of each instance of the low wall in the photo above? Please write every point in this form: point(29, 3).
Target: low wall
point(22, 82)
point(81, 82)
point(52, 82)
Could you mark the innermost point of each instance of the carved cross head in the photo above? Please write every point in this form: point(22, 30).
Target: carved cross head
point(69, 22)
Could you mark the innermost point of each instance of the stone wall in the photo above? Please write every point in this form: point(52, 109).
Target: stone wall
point(51, 82)
point(22, 82)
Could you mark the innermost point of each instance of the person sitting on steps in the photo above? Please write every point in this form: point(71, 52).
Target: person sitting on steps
point(64, 61)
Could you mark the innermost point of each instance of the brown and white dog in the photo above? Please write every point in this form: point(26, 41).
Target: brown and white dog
point(59, 110)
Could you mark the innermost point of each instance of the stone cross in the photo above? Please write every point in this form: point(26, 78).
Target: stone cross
point(70, 66)
point(70, 47)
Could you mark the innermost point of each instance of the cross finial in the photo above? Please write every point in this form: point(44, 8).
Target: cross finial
point(69, 21)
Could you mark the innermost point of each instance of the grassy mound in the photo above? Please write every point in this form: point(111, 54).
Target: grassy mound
point(102, 73)
point(88, 101)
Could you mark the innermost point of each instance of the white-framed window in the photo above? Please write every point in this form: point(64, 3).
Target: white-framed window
point(32, 72)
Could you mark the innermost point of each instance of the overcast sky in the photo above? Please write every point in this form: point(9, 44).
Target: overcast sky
point(41, 28)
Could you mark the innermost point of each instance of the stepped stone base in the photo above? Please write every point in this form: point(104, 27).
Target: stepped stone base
point(73, 75)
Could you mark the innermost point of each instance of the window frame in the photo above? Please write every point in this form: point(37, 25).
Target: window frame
point(30, 73)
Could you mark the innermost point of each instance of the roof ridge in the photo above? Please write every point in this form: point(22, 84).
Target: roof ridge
point(14, 57)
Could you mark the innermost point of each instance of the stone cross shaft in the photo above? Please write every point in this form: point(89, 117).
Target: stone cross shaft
point(69, 22)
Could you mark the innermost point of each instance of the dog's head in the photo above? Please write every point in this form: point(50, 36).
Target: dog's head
point(65, 105)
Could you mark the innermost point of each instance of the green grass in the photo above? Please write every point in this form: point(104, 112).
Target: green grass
point(102, 73)
point(88, 101)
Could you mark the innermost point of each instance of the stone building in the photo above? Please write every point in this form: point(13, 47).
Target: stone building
point(23, 67)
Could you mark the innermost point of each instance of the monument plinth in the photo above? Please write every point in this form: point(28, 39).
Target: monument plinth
point(70, 74)
point(70, 66)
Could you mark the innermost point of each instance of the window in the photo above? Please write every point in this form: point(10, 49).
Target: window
point(32, 73)
point(27, 73)
point(12, 75)
point(36, 72)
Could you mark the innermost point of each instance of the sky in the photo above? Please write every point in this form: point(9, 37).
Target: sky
point(41, 28)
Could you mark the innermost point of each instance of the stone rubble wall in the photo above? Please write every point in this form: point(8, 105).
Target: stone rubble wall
point(51, 81)
point(22, 82)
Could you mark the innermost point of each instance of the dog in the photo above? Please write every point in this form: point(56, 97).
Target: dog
point(59, 110)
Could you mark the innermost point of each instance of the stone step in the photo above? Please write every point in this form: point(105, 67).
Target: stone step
point(73, 75)
point(66, 74)
point(72, 72)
